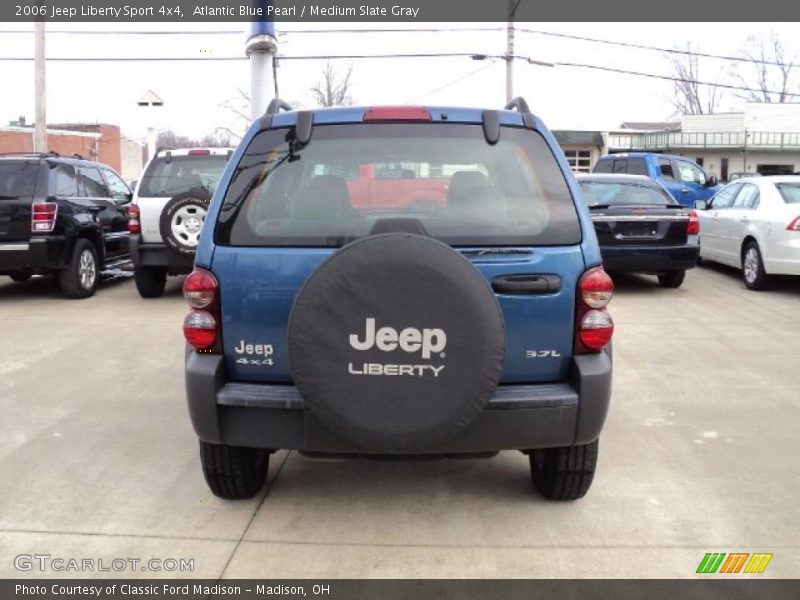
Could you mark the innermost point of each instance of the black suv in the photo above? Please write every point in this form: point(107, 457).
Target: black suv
point(61, 215)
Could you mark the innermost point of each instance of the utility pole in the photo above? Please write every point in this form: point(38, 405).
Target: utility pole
point(40, 92)
point(512, 8)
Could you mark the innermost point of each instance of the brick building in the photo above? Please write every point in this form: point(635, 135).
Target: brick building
point(100, 142)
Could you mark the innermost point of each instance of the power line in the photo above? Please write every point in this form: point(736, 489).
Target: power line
point(453, 82)
point(231, 58)
point(670, 78)
point(416, 30)
point(646, 47)
point(474, 56)
point(393, 30)
point(124, 32)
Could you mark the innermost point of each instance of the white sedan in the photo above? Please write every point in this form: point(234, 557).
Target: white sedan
point(754, 225)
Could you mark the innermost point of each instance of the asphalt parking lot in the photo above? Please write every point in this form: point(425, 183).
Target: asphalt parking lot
point(700, 454)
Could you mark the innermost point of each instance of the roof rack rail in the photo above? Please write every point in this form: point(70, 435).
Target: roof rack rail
point(528, 120)
point(520, 104)
point(276, 105)
point(161, 149)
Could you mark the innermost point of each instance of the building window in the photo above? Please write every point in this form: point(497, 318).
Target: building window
point(579, 161)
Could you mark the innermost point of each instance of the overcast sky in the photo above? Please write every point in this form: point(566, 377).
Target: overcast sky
point(195, 93)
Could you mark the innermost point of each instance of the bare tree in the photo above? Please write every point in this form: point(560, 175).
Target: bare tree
point(768, 71)
point(690, 96)
point(169, 139)
point(333, 89)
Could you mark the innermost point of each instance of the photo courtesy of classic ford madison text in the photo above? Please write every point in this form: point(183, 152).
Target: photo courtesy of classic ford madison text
point(295, 296)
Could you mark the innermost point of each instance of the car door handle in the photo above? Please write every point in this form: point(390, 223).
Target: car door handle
point(744, 219)
point(517, 285)
point(684, 190)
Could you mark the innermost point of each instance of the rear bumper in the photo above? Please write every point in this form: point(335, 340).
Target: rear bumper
point(518, 417)
point(650, 259)
point(159, 255)
point(36, 255)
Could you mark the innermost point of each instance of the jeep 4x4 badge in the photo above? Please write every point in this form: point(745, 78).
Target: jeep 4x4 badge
point(387, 339)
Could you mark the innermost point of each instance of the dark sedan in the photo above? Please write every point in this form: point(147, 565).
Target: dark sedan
point(640, 227)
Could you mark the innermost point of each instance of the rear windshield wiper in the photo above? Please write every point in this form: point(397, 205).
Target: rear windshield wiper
point(485, 251)
point(594, 206)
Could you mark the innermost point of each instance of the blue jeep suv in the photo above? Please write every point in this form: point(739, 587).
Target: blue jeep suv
point(398, 281)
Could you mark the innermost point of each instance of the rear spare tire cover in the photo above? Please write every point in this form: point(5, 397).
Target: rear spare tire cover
point(396, 342)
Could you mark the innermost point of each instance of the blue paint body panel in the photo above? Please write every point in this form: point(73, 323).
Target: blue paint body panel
point(258, 285)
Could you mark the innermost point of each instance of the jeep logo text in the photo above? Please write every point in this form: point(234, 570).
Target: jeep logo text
point(410, 339)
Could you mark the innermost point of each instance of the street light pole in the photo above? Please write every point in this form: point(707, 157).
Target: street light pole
point(261, 48)
point(151, 100)
point(40, 92)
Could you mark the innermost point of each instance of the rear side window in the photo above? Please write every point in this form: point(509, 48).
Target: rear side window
point(790, 192)
point(460, 189)
point(603, 166)
point(18, 179)
point(620, 165)
point(63, 181)
point(636, 166)
point(92, 182)
point(612, 193)
point(168, 176)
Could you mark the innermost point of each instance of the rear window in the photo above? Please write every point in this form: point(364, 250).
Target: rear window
point(18, 179)
point(461, 189)
point(597, 193)
point(167, 177)
point(603, 166)
point(790, 192)
point(636, 166)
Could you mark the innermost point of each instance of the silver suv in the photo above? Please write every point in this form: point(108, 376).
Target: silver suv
point(168, 212)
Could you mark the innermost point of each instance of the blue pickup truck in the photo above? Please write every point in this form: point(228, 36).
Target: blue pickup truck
point(682, 178)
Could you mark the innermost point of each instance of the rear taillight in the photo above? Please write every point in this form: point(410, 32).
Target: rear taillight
point(596, 288)
point(593, 324)
point(43, 217)
point(133, 219)
point(200, 330)
point(693, 226)
point(201, 327)
point(794, 225)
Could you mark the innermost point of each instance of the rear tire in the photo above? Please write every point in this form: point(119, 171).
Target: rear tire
point(20, 276)
point(564, 473)
point(753, 273)
point(234, 472)
point(671, 279)
point(150, 281)
point(79, 279)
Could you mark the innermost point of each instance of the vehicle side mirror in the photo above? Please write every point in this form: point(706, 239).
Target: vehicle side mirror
point(711, 180)
point(701, 205)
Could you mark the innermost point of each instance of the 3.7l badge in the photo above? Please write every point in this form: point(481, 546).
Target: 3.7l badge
point(542, 354)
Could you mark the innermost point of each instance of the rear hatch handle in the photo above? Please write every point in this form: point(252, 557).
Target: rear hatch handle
point(528, 284)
